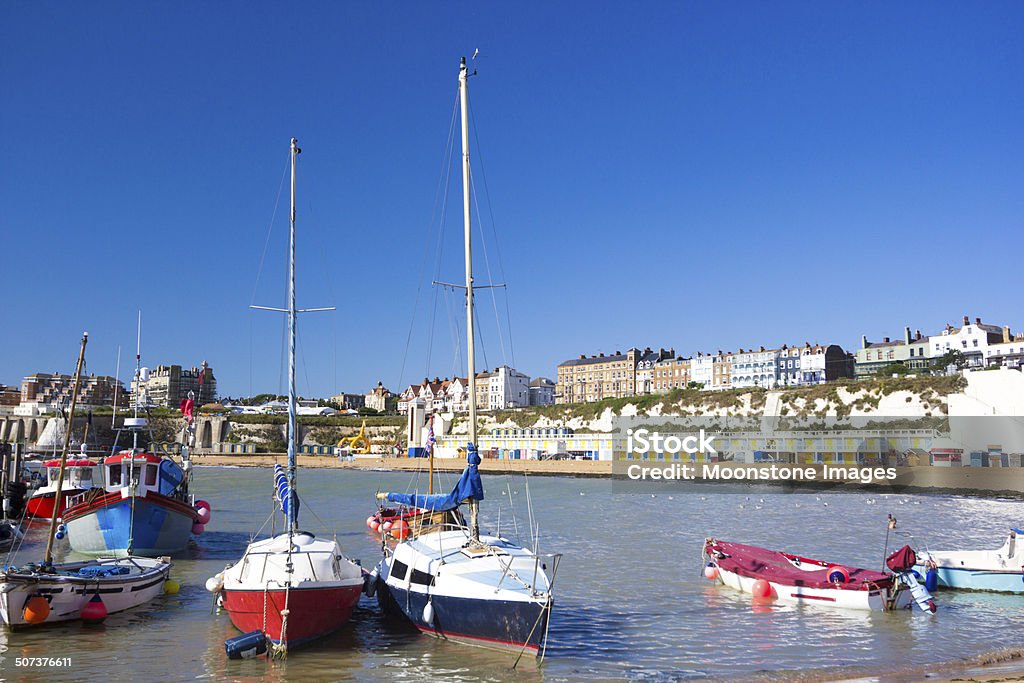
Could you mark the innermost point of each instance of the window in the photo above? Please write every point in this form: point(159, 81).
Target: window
point(115, 475)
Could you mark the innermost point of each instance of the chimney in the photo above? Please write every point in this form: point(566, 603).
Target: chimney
point(1006, 334)
point(967, 320)
point(762, 348)
point(919, 334)
point(906, 335)
point(807, 344)
point(864, 341)
point(700, 354)
point(600, 355)
point(886, 340)
point(583, 356)
point(977, 321)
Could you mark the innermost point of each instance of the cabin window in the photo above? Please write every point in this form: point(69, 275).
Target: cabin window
point(85, 474)
point(115, 475)
point(150, 475)
point(421, 577)
point(52, 475)
point(399, 569)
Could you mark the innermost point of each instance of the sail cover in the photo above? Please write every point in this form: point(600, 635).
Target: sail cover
point(283, 490)
point(468, 486)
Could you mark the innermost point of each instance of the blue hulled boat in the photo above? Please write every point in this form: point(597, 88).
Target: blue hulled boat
point(144, 508)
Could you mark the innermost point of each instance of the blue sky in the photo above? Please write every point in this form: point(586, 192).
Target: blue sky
point(698, 175)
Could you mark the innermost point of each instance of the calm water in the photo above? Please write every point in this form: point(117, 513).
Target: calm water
point(630, 599)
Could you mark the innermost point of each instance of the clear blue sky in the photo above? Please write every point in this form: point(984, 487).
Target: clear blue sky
point(696, 175)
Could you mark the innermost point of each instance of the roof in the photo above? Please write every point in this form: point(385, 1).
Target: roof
point(127, 455)
point(593, 360)
point(541, 382)
point(69, 463)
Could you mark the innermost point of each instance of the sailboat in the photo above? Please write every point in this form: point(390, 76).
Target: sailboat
point(453, 582)
point(144, 507)
point(40, 593)
point(292, 588)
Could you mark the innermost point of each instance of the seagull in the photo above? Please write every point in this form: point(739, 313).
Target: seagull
point(582, 494)
point(825, 504)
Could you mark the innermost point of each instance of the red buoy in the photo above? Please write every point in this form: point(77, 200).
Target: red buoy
point(711, 572)
point(94, 611)
point(762, 589)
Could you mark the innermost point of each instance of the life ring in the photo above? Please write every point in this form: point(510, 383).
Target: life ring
point(837, 574)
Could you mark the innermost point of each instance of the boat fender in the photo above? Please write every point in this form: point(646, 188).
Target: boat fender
point(762, 589)
point(837, 574)
point(171, 587)
point(428, 614)
point(37, 609)
point(203, 515)
point(94, 611)
point(246, 645)
point(370, 521)
point(931, 580)
point(198, 528)
point(370, 584)
point(214, 584)
point(711, 571)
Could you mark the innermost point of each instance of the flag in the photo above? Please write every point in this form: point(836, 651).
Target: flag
point(187, 405)
point(430, 436)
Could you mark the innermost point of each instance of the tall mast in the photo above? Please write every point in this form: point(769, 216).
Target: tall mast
point(292, 517)
point(64, 452)
point(474, 526)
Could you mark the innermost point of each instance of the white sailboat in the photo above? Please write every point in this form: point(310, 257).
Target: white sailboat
point(454, 582)
point(292, 588)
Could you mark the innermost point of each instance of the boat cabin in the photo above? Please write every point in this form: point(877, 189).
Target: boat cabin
point(78, 474)
point(151, 472)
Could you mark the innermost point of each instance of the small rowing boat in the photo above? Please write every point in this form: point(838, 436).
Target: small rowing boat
point(802, 580)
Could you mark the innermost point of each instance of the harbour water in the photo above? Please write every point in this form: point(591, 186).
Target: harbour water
point(631, 601)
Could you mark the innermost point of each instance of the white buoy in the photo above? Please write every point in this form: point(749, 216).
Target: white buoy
point(214, 584)
point(428, 613)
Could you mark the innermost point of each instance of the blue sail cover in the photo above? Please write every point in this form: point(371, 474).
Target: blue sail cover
point(283, 490)
point(468, 486)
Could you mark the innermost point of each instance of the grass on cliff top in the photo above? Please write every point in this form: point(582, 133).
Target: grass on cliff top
point(681, 401)
point(321, 420)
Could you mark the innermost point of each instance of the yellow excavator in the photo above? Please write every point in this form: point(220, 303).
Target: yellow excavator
point(353, 443)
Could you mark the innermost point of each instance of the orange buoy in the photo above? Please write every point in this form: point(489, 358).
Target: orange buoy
point(400, 529)
point(386, 526)
point(37, 609)
point(711, 572)
point(762, 589)
point(375, 527)
point(94, 611)
point(370, 521)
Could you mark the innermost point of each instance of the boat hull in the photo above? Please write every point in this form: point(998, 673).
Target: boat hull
point(68, 594)
point(41, 504)
point(873, 600)
point(159, 525)
point(975, 579)
point(494, 624)
point(313, 612)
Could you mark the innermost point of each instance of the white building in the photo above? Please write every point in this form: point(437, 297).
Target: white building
point(972, 340)
point(702, 369)
point(503, 388)
point(755, 369)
